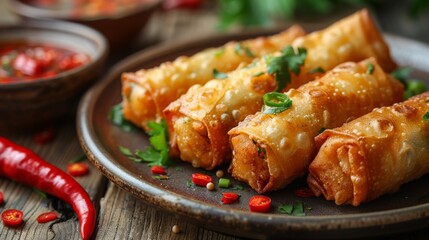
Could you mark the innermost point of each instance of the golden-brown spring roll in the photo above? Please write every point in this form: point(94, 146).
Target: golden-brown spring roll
point(374, 154)
point(271, 150)
point(148, 91)
point(199, 121)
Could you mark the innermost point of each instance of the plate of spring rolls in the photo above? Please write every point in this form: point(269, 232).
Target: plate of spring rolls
point(314, 120)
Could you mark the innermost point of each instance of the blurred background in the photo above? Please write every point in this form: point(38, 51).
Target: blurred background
point(173, 19)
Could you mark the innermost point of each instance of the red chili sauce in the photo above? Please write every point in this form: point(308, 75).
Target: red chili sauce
point(89, 8)
point(28, 61)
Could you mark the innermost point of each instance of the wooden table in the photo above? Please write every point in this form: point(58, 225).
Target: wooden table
point(120, 215)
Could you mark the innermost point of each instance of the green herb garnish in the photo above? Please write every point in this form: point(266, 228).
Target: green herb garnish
point(219, 52)
point(79, 158)
point(161, 177)
point(158, 151)
point(237, 187)
point(288, 61)
point(116, 116)
point(275, 102)
point(190, 184)
point(370, 69)
point(258, 74)
point(321, 130)
point(426, 117)
point(412, 86)
point(317, 70)
point(219, 75)
point(243, 50)
point(295, 209)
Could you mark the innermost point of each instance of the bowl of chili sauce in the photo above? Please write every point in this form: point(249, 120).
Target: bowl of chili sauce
point(120, 21)
point(45, 66)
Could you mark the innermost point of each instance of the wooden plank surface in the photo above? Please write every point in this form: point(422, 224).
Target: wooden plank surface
point(59, 152)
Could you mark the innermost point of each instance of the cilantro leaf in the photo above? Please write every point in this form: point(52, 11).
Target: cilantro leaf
point(288, 61)
point(158, 151)
point(116, 116)
point(412, 86)
point(295, 209)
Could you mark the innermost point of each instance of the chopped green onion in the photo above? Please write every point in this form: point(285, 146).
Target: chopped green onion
point(219, 75)
point(224, 182)
point(275, 102)
point(370, 69)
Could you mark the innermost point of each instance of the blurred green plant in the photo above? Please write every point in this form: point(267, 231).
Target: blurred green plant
point(265, 12)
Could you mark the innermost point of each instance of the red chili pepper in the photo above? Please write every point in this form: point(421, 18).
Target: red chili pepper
point(229, 197)
point(201, 179)
point(303, 192)
point(158, 170)
point(47, 217)
point(260, 203)
point(22, 165)
point(1, 198)
point(77, 169)
point(12, 217)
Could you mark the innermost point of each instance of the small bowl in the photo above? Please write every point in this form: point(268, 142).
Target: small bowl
point(120, 27)
point(43, 100)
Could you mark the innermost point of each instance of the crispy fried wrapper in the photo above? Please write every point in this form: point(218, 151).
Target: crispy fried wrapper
point(199, 120)
point(148, 91)
point(374, 154)
point(271, 150)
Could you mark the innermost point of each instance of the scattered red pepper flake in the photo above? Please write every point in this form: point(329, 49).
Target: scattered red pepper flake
point(303, 192)
point(201, 179)
point(260, 203)
point(44, 136)
point(1, 198)
point(12, 217)
point(158, 170)
point(47, 217)
point(77, 169)
point(229, 197)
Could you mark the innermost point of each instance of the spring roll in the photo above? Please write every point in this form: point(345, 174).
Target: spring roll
point(374, 154)
point(199, 121)
point(271, 150)
point(148, 91)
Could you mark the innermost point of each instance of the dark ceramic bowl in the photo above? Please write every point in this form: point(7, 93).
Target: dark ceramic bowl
point(38, 101)
point(119, 28)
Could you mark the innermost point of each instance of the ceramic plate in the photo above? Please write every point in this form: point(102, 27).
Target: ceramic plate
point(405, 210)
